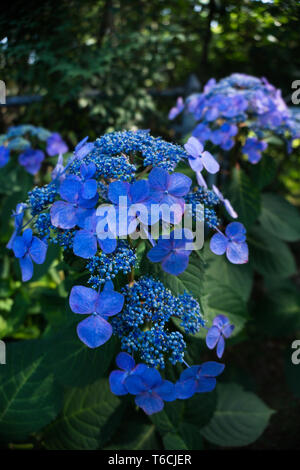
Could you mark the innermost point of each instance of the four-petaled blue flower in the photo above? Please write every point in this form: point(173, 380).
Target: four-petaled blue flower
point(167, 191)
point(31, 160)
point(150, 390)
point(129, 200)
point(4, 156)
point(198, 379)
point(95, 329)
point(56, 145)
point(117, 377)
point(173, 253)
point(221, 329)
point(199, 159)
point(226, 202)
point(233, 243)
point(79, 197)
point(28, 249)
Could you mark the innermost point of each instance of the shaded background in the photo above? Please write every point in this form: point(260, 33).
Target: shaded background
point(85, 68)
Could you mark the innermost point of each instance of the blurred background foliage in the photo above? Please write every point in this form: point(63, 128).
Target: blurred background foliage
point(111, 63)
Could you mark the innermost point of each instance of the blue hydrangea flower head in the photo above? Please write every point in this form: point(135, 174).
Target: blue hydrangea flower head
point(220, 329)
point(56, 145)
point(28, 249)
point(95, 330)
point(233, 243)
point(198, 379)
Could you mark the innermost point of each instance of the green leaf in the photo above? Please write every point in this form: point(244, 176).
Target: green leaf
point(168, 419)
point(245, 197)
point(73, 363)
point(240, 417)
point(135, 436)
point(279, 218)
point(238, 277)
point(88, 419)
point(29, 397)
point(173, 441)
point(270, 256)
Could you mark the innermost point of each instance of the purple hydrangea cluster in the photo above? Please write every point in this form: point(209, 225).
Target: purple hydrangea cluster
point(117, 204)
point(238, 108)
point(23, 139)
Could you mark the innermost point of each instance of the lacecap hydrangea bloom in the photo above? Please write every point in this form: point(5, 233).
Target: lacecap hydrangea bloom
point(239, 109)
point(118, 205)
point(31, 144)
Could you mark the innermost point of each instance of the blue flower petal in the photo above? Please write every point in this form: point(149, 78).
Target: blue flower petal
point(212, 337)
point(193, 147)
point(220, 347)
point(149, 403)
point(151, 377)
point(237, 253)
point(175, 263)
point(218, 243)
point(70, 188)
point(166, 391)
point(185, 389)
point(85, 244)
point(89, 189)
point(27, 236)
point(125, 361)
point(236, 231)
point(179, 184)
point(116, 382)
point(19, 247)
point(139, 191)
point(109, 303)
point(94, 331)
point(26, 266)
point(159, 251)
point(220, 321)
point(211, 369)
point(159, 179)
point(118, 189)
point(206, 385)
point(83, 300)
point(38, 250)
point(108, 245)
point(227, 330)
point(63, 215)
point(135, 384)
